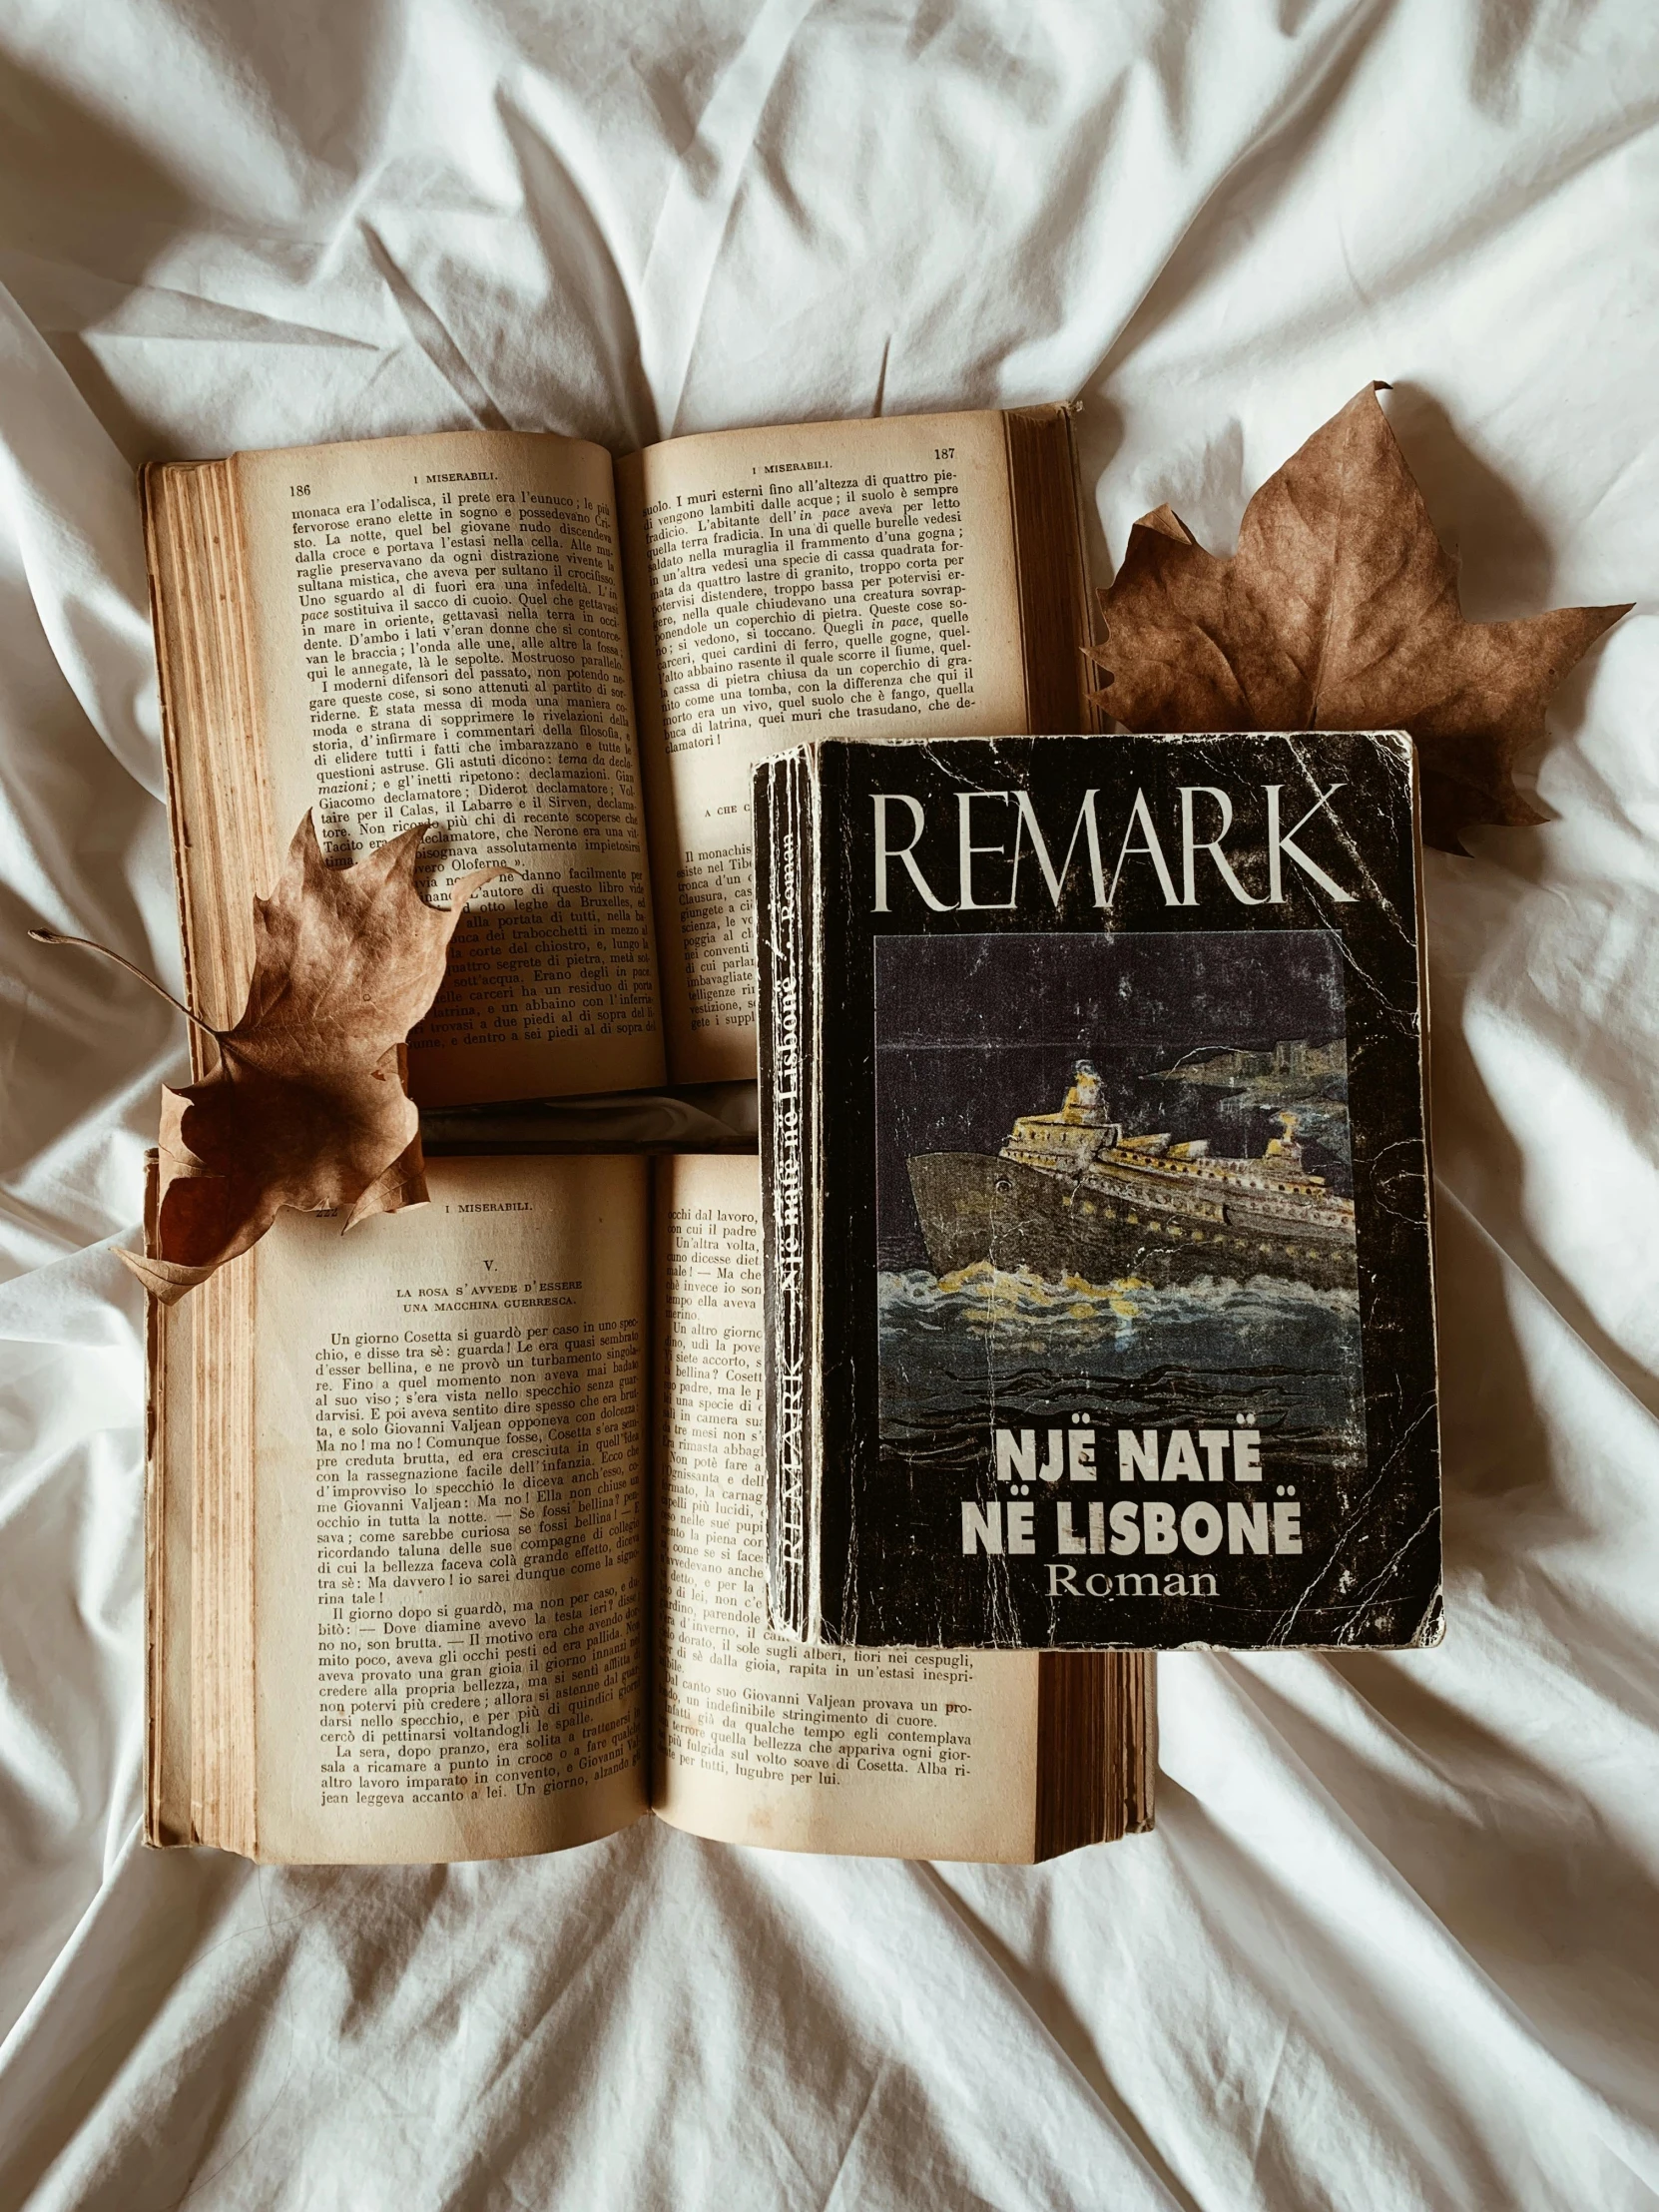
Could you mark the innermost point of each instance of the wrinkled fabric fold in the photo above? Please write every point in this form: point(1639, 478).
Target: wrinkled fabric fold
point(1395, 1940)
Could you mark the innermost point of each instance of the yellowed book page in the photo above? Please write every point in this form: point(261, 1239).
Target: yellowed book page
point(897, 1754)
point(449, 1571)
point(438, 636)
point(855, 578)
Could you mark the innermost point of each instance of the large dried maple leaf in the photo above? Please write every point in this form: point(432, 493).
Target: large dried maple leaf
point(308, 1107)
point(1339, 611)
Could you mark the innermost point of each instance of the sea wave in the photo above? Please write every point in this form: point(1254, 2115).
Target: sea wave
point(985, 1346)
point(1018, 1303)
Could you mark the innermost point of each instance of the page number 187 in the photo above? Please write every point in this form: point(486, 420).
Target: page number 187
point(945, 452)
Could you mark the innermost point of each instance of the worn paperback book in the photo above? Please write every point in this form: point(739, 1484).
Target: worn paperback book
point(1100, 1304)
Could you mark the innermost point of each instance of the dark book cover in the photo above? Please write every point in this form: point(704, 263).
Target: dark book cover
point(1100, 1306)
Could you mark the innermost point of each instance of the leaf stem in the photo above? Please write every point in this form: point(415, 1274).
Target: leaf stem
point(90, 944)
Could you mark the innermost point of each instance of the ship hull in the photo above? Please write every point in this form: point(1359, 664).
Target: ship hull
point(974, 1206)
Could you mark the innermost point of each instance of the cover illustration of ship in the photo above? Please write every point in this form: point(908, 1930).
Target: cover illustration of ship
point(1072, 1194)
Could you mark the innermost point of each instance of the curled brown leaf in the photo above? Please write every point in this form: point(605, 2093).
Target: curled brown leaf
point(308, 1107)
point(1337, 611)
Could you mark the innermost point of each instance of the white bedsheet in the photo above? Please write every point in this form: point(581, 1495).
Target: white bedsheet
point(1396, 1941)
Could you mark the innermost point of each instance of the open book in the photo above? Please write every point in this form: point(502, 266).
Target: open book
point(571, 666)
point(403, 1598)
point(456, 1551)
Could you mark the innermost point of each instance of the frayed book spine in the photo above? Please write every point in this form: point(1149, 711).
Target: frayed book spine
point(783, 828)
